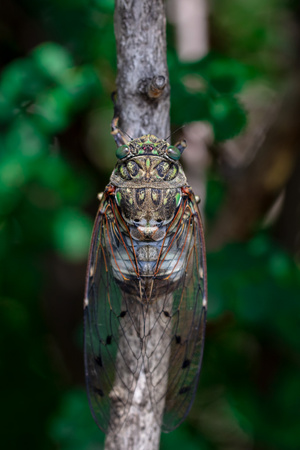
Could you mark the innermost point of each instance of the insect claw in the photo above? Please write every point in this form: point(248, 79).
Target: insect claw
point(115, 130)
point(117, 133)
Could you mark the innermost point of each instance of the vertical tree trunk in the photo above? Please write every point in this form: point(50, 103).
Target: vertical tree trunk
point(142, 81)
point(143, 103)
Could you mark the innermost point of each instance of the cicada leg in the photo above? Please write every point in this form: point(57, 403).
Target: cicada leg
point(181, 145)
point(115, 130)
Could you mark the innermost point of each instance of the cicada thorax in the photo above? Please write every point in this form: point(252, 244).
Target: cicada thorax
point(153, 232)
point(148, 211)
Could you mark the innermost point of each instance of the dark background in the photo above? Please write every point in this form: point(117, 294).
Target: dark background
point(58, 68)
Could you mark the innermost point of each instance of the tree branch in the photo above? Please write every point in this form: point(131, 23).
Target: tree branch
point(142, 81)
point(143, 103)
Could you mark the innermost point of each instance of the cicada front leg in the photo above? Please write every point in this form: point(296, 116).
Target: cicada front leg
point(181, 145)
point(115, 130)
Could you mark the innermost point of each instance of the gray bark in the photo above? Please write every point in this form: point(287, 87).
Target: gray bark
point(143, 102)
point(141, 430)
point(142, 82)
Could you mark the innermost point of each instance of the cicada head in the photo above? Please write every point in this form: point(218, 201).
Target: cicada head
point(149, 162)
point(148, 179)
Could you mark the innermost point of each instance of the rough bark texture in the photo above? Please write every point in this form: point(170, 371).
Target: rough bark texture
point(141, 54)
point(143, 103)
point(141, 430)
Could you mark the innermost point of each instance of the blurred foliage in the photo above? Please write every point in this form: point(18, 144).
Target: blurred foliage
point(254, 32)
point(208, 87)
point(58, 70)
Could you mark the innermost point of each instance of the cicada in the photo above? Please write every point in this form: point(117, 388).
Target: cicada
point(146, 290)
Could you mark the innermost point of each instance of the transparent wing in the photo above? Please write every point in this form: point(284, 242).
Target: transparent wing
point(111, 340)
point(181, 318)
point(152, 325)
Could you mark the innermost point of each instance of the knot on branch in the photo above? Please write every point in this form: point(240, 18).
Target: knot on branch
point(152, 87)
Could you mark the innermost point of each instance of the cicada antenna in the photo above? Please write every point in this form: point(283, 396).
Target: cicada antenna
point(173, 132)
point(124, 132)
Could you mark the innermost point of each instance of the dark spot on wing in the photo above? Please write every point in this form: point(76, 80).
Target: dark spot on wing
point(123, 313)
point(184, 390)
point(99, 392)
point(177, 339)
point(108, 340)
point(98, 360)
point(186, 363)
point(166, 313)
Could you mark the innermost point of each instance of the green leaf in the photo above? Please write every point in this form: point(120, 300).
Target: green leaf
point(227, 117)
point(224, 75)
point(53, 60)
point(73, 427)
point(72, 234)
point(25, 139)
point(52, 110)
point(20, 82)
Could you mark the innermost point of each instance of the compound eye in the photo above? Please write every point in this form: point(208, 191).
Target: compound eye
point(122, 151)
point(173, 152)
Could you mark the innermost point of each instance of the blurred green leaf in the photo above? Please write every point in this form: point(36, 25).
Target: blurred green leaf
point(52, 110)
point(73, 427)
point(72, 233)
point(206, 89)
point(52, 60)
point(20, 82)
point(227, 116)
point(25, 140)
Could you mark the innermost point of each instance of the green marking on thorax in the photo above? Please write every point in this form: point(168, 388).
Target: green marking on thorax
point(174, 171)
point(147, 163)
point(177, 197)
point(118, 197)
point(122, 170)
